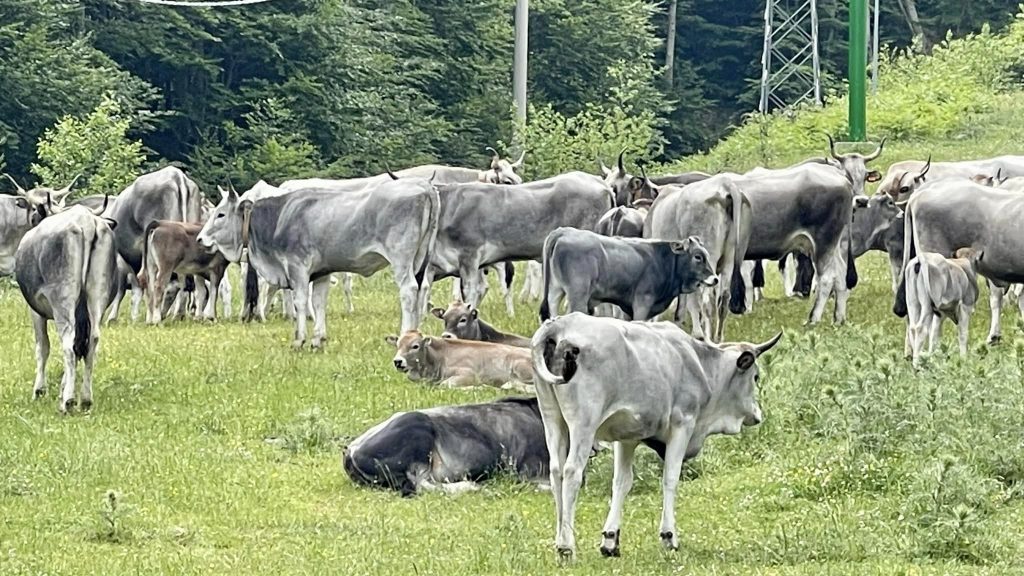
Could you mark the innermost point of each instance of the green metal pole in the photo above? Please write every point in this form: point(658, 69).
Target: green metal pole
point(858, 69)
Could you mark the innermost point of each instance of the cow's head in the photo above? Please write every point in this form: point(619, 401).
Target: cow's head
point(628, 188)
point(905, 183)
point(694, 260)
point(226, 228)
point(872, 217)
point(989, 180)
point(461, 321)
point(50, 199)
point(502, 171)
point(737, 405)
point(411, 357)
point(855, 165)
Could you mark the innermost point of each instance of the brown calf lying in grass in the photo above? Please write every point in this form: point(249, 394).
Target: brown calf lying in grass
point(458, 363)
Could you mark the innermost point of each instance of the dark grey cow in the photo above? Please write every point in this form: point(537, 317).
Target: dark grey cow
point(482, 224)
point(903, 178)
point(450, 448)
point(304, 236)
point(878, 225)
point(855, 165)
point(463, 321)
point(716, 211)
point(805, 208)
point(642, 277)
point(65, 268)
point(951, 214)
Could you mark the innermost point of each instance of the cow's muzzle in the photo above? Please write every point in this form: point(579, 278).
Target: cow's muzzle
point(711, 280)
point(400, 365)
point(753, 419)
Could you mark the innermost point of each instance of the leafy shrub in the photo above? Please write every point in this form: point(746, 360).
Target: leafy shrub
point(96, 147)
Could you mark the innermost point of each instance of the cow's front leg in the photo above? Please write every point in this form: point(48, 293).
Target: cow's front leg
point(622, 483)
point(675, 451)
point(995, 301)
point(42, 353)
point(321, 288)
point(581, 441)
point(224, 288)
point(409, 294)
point(300, 299)
point(346, 287)
point(136, 297)
point(460, 379)
point(963, 323)
point(204, 296)
point(826, 283)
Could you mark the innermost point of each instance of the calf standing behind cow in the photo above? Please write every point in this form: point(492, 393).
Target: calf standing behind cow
point(449, 448)
point(171, 247)
point(939, 288)
point(65, 267)
point(642, 277)
point(631, 383)
point(457, 363)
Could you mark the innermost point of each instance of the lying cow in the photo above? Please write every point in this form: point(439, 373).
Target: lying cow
point(65, 267)
point(940, 288)
point(459, 363)
point(630, 383)
point(450, 448)
point(642, 277)
point(463, 321)
point(171, 247)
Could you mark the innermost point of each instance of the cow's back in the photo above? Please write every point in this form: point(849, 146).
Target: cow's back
point(166, 194)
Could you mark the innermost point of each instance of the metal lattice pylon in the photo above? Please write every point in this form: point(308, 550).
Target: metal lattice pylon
point(790, 65)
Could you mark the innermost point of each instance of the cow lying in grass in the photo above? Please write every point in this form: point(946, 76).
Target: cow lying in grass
point(459, 363)
point(450, 448)
point(463, 321)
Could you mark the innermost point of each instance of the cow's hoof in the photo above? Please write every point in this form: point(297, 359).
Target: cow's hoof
point(565, 553)
point(610, 545)
point(993, 340)
point(67, 406)
point(297, 344)
point(86, 405)
point(668, 540)
point(38, 393)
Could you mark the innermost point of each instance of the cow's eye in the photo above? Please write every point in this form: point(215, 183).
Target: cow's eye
point(220, 215)
point(757, 378)
point(462, 321)
point(905, 189)
point(415, 346)
point(700, 258)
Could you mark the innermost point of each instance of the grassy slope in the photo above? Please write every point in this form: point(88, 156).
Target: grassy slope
point(183, 412)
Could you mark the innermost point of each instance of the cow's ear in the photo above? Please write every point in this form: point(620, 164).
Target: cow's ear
point(428, 341)
point(874, 176)
point(678, 247)
point(245, 205)
point(439, 312)
point(392, 339)
point(746, 360)
point(474, 313)
point(111, 223)
point(636, 184)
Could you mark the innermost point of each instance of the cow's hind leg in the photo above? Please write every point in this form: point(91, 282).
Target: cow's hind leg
point(320, 290)
point(66, 333)
point(675, 451)
point(42, 353)
point(409, 298)
point(827, 266)
point(622, 483)
point(995, 301)
point(346, 286)
point(299, 280)
point(963, 324)
point(581, 441)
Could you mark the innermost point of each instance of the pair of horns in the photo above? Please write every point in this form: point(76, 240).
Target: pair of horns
point(874, 155)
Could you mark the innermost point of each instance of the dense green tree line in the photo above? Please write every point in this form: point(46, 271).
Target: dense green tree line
point(340, 87)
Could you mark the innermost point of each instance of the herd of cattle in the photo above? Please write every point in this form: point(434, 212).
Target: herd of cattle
point(616, 250)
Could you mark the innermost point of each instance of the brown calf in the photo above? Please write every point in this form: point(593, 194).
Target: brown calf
point(456, 363)
point(171, 247)
point(462, 321)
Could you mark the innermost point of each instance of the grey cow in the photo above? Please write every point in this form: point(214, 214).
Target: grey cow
point(806, 208)
point(463, 321)
point(642, 277)
point(16, 217)
point(631, 383)
point(718, 212)
point(938, 288)
point(948, 215)
point(903, 178)
point(878, 225)
point(65, 268)
point(482, 224)
point(302, 237)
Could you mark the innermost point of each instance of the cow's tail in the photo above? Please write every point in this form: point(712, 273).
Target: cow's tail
point(545, 342)
point(83, 326)
point(758, 276)
point(549, 248)
point(143, 270)
point(429, 240)
point(252, 290)
point(737, 287)
point(510, 274)
point(851, 262)
point(899, 307)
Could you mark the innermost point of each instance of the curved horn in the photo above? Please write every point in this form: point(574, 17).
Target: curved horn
point(495, 158)
point(622, 167)
point(927, 167)
point(643, 172)
point(63, 192)
point(832, 147)
point(762, 348)
point(106, 199)
point(387, 167)
point(604, 169)
point(999, 176)
point(519, 163)
point(878, 152)
point(21, 191)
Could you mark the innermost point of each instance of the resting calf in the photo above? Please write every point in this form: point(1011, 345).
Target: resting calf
point(463, 321)
point(938, 288)
point(630, 383)
point(642, 277)
point(449, 448)
point(459, 363)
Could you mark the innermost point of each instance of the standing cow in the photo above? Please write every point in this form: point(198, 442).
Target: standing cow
point(17, 213)
point(66, 268)
point(939, 288)
point(171, 247)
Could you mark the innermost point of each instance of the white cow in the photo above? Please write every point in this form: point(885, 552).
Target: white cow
point(938, 288)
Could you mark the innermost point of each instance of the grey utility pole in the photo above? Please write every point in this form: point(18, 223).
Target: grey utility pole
point(519, 65)
point(790, 66)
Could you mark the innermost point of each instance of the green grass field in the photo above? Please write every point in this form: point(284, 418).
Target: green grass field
point(222, 447)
